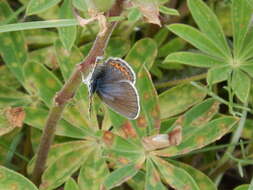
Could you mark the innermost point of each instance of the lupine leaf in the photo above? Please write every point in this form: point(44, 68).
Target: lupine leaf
point(193, 59)
point(197, 39)
point(218, 74)
point(152, 180)
point(40, 81)
point(241, 85)
point(119, 176)
point(179, 99)
point(207, 134)
point(67, 34)
point(60, 170)
point(38, 6)
point(93, 172)
point(71, 185)
point(209, 24)
point(241, 17)
point(203, 181)
point(174, 176)
point(59, 150)
point(10, 179)
point(13, 48)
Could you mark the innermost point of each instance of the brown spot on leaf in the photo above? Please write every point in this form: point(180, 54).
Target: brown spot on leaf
point(15, 116)
point(108, 137)
point(129, 131)
point(200, 140)
point(141, 121)
point(123, 160)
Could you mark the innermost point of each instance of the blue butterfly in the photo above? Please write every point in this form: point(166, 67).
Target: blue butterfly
point(114, 82)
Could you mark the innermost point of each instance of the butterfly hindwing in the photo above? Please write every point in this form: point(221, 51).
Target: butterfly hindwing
point(120, 96)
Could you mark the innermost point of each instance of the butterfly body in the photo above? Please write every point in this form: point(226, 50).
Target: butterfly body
point(113, 81)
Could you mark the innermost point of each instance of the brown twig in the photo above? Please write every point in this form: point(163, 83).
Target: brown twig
point(68, 91)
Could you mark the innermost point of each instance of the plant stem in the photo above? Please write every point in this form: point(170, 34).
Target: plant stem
point(68, 91)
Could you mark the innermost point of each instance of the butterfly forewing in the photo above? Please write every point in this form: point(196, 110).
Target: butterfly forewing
point(120, 96)
point(117, 69)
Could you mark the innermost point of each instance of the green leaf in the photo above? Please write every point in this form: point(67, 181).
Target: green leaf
point(152, 180)
point(193, 59)
point(37, 117)
point(184, 95)
point(142, 54)
point(241, 91)
point(80, 5)
point(173, 45)
point(7, 79)
point(201, 136)
point(174, 176)
point(40, 37)
point(38, 24)
point(218, 74)
point(59, 150)
point(246, 52)
point(209, 25)
point(40, 81)
point(60, 170)
point(248, 68)
point(122, 147)
point(93, 172)
point(134, 14)
point(10, 179)
point(242, 187)
point(197, 39)
point(149, 118)
point(38, 6)
point(13, 48)
point(71, 185)
point(119, 176)
point(67, 34)
point(11, 97)
point(203, 181)
point(202, 113)
point(241, 19)
point(161, 36)
point(168, 11)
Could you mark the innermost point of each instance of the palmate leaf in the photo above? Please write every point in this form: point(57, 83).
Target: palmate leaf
point(174, 176)
point(179, 99)
point(35, 6)
point(194, 59)
point(93, 172)
point(209, 25)
point(241, 85)
point(36, 117)
point(10, 179)
point(12, 48)
point(67, 34)
point(119, 176)
point(71, 185)
point(207, 134)
point(241, 19)
point(59, 150)
point(152, 180)
point(218, 74)
point(59, 171)
point(203, 181)
point(198, 39)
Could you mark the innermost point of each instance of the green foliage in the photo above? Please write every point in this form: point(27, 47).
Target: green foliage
point(105, 150)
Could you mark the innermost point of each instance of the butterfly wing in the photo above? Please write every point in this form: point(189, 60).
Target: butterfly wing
point(118, 69)
point(121, 96)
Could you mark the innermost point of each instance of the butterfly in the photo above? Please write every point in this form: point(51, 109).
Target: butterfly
point(114, 82)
